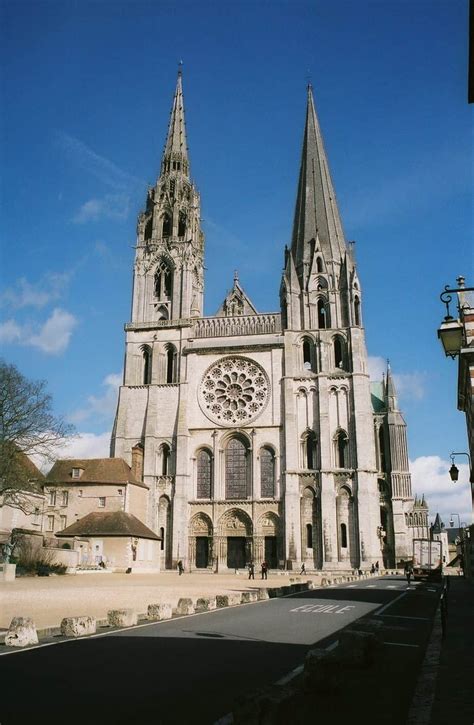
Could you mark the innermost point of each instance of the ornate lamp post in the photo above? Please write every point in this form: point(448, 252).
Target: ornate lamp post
point(451, 331)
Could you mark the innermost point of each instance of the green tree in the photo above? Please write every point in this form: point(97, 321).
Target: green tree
point(27, 428)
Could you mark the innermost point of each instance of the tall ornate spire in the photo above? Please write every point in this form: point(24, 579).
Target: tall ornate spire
point(175, 154)
point(390, 391)
point(317, 217)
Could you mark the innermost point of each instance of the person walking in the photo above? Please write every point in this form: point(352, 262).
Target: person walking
point(264, 569)
point(251, 570)
point(376, 567)
point(372, 569)
point(180, 567)
point(303, 569)
point(408, 572)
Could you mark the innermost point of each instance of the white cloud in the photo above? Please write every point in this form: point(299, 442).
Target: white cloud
point(407, 385)
point(25, 294)
point(10, 332)
point(104, 170)
point(430, 475)
point(102, 407)
point(82, 445)
point(111, 206)
point(53, 337)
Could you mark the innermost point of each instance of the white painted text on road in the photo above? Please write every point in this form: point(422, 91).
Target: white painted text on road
point(323, 608)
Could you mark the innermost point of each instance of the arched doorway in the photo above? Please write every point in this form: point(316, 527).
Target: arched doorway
point(235, 539)
point(200, 541)
point(268, 541)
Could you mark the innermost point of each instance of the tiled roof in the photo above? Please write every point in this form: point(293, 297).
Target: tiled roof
point(109, 523)
point(95, 470)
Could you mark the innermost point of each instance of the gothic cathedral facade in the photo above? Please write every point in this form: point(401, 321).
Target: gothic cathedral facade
point(260, 436)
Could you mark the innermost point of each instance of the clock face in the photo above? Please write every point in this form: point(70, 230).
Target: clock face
point(234, 391)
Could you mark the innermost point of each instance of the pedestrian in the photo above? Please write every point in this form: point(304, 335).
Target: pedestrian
point(251, 570)
point(180, 567)
point(376, 567)
point(408, 572)
point(264, 569)
point(303, 569)
point(372, 569)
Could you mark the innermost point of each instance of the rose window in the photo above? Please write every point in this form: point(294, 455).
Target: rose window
point(234, 391)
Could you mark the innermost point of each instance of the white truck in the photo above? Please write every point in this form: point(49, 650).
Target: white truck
point(427, 559)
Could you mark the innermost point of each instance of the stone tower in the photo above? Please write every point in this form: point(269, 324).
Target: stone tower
point(256, 433)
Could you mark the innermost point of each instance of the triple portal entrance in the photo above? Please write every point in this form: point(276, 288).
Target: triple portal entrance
point(235, 542)
point(239, 552)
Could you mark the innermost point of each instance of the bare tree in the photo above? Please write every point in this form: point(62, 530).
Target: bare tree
point(27, 427)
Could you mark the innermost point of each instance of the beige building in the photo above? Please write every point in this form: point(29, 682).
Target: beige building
point(77, 487)
point(262, 438)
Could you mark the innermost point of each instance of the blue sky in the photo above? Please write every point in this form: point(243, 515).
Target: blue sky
point(86, 91)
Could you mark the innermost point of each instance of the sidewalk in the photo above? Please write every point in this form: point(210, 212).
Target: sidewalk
point(454, 695)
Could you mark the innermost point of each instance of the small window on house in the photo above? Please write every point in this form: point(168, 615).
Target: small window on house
point(343, 536)
point(120, 491)
point(309, 536)
point(101, 502)
point(50, 523)
point(181, 224)
point(357, 311)
point(319, 264)
point(64, 498)
point(52, 498)
point(162, 535)
point(146, 365)
point(165, 459)
point(76, 472)
point(323, 322)
point(63, 522)
point(171, 365)
point(36, 516)
point(167, 225)
point(341, 450)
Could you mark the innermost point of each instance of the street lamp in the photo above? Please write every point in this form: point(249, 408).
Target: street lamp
point(451, 331)
point(454, 470)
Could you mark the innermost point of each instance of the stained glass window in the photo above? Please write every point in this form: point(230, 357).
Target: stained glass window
point(267, 473)
point(204, 474)
point(236, 469)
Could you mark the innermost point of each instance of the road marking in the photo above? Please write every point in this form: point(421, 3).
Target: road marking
point(401, 644)
point(403, 616)
point(378, 612)
point(323, 609)
point(371, 586)
point(351, 586)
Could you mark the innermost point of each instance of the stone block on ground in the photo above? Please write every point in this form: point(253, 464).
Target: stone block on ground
point(205, 604)
point(156, 612)
point(122, 617)
point(309, 584)
point(274, 592)
point(322, 672)
point(185, 606)
point(21, 632)
point(262, 594)
point(358, 649)
point(228, 600)
point(247, 597)
point(78, 626)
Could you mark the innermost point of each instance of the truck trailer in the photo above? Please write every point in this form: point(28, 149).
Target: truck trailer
point(427, 559)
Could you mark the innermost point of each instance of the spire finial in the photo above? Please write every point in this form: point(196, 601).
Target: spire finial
point(180, 67)
point(236, 276)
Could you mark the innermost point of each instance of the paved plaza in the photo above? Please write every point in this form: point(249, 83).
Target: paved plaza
point(48, 599)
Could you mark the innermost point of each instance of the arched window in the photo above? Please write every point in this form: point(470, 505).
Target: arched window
point(167, 224)
point(204, 474)
point(339, 353)
point(267, 473)
point(309, 536)
point(383, 460)
point(343, 536)
point(165, 459)
point(147, 358)
point(341, 449)
point(310, 450)
point(323, 315)
point(181, 224)
point(162, 535)
point(149, 228)
point(236, 470)
point(309, 356)
point(163, 282)
point(357, 311)
point(319, 264)
point(171, 364)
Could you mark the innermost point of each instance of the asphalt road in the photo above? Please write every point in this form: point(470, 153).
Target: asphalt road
point(191, 669)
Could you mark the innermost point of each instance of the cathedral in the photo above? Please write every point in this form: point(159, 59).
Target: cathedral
point(259, 435)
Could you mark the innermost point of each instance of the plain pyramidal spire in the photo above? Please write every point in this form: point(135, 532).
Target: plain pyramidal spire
point(175, 154)
point(317, 217)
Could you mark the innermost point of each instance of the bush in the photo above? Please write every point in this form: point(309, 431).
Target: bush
point(31, 560)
